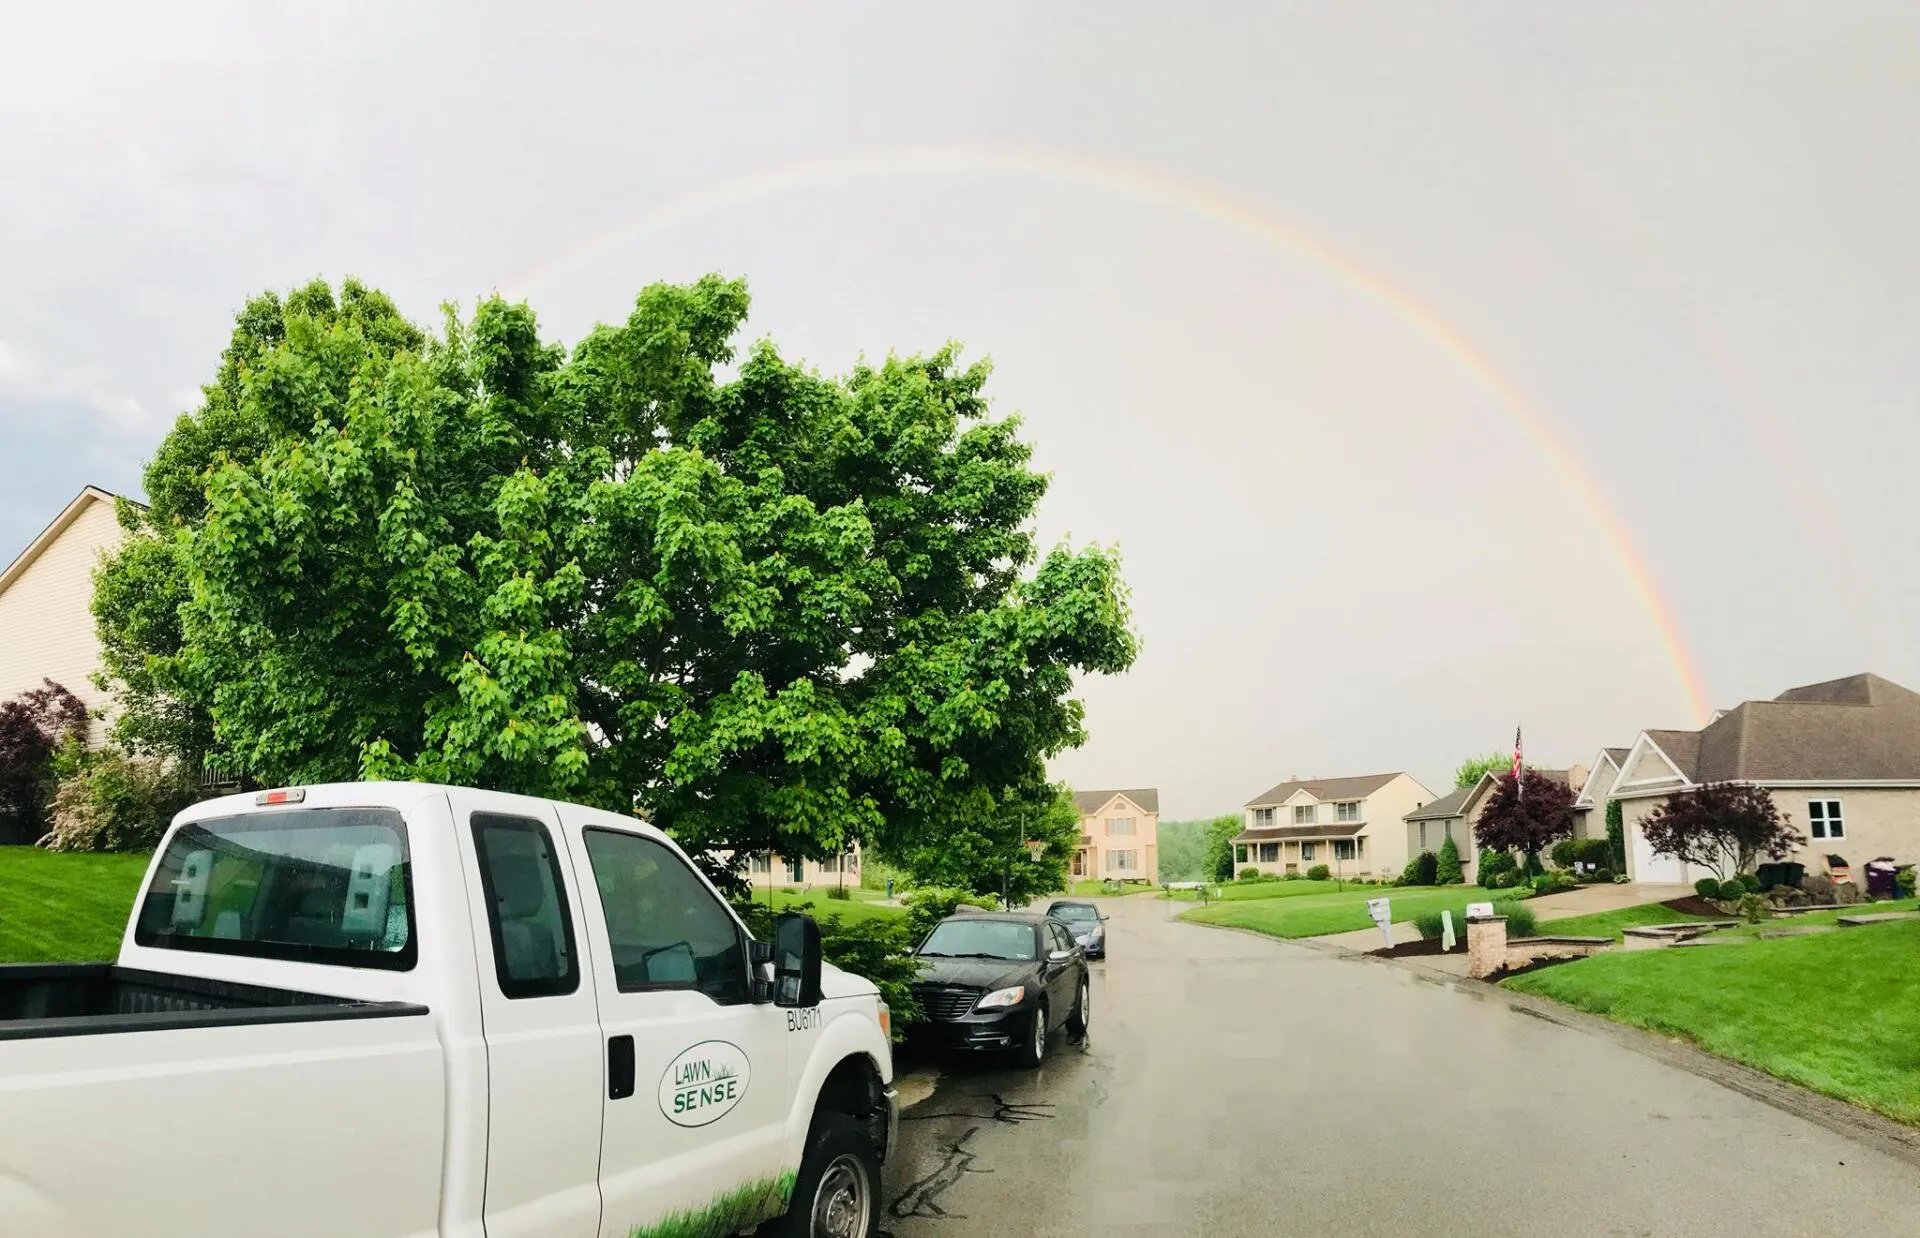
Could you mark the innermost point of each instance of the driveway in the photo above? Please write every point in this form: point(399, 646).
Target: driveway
point(1608, 897)
point(1236, 1085)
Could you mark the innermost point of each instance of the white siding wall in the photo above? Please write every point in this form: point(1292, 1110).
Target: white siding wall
point(46, 620)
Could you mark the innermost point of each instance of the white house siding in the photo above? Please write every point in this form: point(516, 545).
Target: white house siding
point(46, 617)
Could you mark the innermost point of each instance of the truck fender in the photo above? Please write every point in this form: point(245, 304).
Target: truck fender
point(31, 1214)
point(852, 1040)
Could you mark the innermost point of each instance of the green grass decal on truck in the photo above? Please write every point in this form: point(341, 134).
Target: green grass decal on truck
point(741, 1208)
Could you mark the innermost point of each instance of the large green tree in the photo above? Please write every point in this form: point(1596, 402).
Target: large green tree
point(1015, 846)
point(1468, 772)
point(775, 610)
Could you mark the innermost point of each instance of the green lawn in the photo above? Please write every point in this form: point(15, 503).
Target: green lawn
point(1833, 1012)
point(1609, 923)
point(1098, 889)
point(1818, 917)
point(1312, 915)
point(816, 903)
point(64, 908)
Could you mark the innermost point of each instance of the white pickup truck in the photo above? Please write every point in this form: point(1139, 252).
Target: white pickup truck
point(393, 1010)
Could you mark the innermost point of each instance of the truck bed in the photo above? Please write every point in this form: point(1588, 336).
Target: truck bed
point(78, 999)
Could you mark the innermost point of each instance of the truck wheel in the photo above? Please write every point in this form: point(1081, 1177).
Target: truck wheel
point(837, 1191)
point(1031, 1054)
point(1082, 1013)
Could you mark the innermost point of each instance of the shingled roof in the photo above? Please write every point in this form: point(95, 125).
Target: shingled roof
point(1449, 805)
point(1858, 729)
point(1148, 798)
point(1323, 789)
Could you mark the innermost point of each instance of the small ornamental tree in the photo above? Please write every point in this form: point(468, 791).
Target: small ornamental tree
point(1219, 858)
point(1526, 816)
point(33, 725)
point(1447, 872)
point(1724, 826)
point(1617, 837)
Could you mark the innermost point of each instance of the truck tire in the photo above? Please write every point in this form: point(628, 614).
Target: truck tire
point(836, 1194)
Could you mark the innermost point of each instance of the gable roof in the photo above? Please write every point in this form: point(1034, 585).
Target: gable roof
point(1354, 788)
point(88, 496)
point(1858, 729)
point(1452, 804)
point(1148, 798)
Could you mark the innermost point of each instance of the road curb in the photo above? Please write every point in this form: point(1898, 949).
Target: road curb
point(1863, 1126)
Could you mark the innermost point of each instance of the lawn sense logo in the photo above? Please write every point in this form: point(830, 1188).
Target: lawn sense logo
point(704, 1083)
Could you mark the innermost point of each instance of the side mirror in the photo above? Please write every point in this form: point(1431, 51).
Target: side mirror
point(796, 961)
point(759, 952)
point(1059, 956)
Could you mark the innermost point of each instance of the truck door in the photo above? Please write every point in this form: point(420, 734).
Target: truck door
point(541, 1024)
point(697, 1079)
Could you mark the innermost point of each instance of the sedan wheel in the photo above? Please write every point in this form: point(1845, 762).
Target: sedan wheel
point(1082, 1015)
point(1034, 1052)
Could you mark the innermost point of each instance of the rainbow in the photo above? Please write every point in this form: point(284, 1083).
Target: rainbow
point(1151, 186)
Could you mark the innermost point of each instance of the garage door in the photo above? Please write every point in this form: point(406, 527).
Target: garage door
point(1648, 867)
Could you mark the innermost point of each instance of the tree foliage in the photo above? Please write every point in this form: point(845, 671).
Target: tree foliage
point(1527, 815)
point(1219, 856)
point(776, 611)
point(1725, 826)
point(1447, 871)
point(1016, 847)
point(1469, 771)
point(33, 726)
point(114, 801)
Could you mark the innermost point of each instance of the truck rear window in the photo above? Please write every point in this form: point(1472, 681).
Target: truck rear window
point(314, 885)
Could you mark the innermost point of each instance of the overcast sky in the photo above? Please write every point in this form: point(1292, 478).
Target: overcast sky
point(1388, 342)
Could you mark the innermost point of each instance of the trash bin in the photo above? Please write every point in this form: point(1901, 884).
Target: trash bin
point(1882, 877)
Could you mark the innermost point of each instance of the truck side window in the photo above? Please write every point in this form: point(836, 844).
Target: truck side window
point(665, 926)
point(533, 952)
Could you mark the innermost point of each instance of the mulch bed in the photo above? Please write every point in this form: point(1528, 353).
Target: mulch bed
point(1411, 949)
point(1694, 905)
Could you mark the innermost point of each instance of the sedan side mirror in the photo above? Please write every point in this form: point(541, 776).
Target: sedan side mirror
point(796, 961)
point(1059, 956)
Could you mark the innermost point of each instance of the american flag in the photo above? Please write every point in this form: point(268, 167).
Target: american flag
point(1519, 787)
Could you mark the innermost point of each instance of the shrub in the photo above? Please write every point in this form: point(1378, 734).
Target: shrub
point(1293, 875)
point(1247, 874)
point(1562, 853)
point(1707, 887)
point(1410, 875)
point(1554, 882)
point(1903, 882)
point(1498, 870)
point(879, 948)
point(1753, 908)
point(1427, 866)
point(929, 905)
point(841, 893)
point(116, 802)
point(1319, 872)
point(1446, 870)
point(1521, 920)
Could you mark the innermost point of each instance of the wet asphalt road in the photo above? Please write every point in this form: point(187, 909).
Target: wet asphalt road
point(1234, 1085)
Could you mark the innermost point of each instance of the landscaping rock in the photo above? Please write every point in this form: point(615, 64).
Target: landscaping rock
point(1788, 896)
point(1817, 888)
point(1847, 894)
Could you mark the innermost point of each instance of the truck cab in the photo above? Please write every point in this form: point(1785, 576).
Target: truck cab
point(403, 1009)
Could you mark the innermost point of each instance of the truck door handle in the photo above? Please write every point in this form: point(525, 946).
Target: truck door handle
point(619, 1067)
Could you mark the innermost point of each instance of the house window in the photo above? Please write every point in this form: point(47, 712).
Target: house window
point(1269, 853)
point(1303, 814)
point(1119, 861)
point(1348, 811)
point(1306, 853)
point(1423, 836)
point(829, 865)
point(796, 870)
point(1119, 825)
point(1823, 819)
point(1449, 827)
point(1240, 853)
point(761, 864)
point(1262, 817)
point(1343, 848)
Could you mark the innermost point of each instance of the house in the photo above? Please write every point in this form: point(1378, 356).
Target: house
point(1841, 760)
point(784, 874)
point(1119, 835)
point(46, 603)
point(1456, 815)
point(1352, 825)
point(1590, 802)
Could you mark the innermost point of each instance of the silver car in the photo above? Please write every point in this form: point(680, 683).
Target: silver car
point(1087, 925)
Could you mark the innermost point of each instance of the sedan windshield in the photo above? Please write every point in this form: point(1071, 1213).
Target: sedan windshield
point(1073, 911)
point(980, 939)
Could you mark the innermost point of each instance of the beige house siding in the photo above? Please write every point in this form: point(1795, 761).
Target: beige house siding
point(46, 616)
point(1380, 845)
point(1119, 841)
point(1437, 833)
point(779, 873)
point(1878, 821)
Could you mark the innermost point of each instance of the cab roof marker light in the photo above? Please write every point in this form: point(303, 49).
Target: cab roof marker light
point(286, 795)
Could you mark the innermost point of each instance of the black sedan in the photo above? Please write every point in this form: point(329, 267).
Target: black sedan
point(1001, 981)
point(1087, 925)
